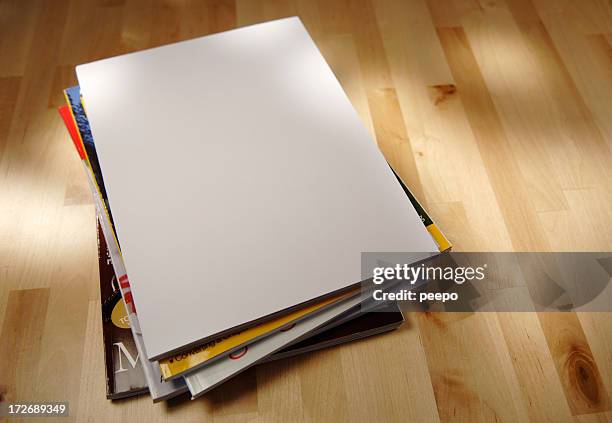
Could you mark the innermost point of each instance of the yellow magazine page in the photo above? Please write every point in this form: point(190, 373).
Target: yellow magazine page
point(180, 363)
point(443, 243)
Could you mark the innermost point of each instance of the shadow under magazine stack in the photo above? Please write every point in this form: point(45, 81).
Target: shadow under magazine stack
point(124, 373)
point(244, 189)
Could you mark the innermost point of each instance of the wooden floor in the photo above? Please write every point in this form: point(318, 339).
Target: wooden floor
point(497, 112)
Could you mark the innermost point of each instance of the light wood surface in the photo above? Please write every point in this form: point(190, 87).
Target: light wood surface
point(499, 115)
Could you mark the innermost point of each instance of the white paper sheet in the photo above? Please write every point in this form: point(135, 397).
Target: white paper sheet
point(263, 186)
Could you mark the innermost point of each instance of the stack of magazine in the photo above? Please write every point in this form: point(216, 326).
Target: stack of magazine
point(244, 189)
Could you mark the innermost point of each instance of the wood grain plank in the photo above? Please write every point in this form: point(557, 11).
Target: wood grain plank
point(583, 227)
point(541, 387)
point(249, 12)
point(221, 15)
point(391, 363)
point(74, 275)
point(601, 45)
point(591, 210)
point(92, 401)
point(179, 409)
point(551, 334)
point(177, 21)
point(462, 391)
point(601, 50)
point(18, 21)
point(589, 16)
point(446, 97)
point(596, 327)
point(34, 173)
point(37, 80)
point(392, 138)
point(9, 90)
point(235, 399)
point(582, 62)
point(335, 20)
point(136, 25)
point(594, 418)
point(77, 188)
point(92, 31)
point(537, 238)
point(20, 342)
point(576, 127)
point(588, 208)
point(503, 171)
point(446, 152)
point(278, 9)
point(457, 225)
point(369, 45)
point(64, 77)
point(322, 378)
point(276, 381)
point(584, 387)
point(340, 52)
point(444, 13)
point(308, 11)
point(433, 103)
point(523, 106)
